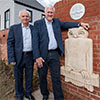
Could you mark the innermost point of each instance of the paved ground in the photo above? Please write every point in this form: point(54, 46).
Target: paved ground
point(38, 95)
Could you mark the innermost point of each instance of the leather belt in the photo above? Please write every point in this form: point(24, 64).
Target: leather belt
point(52, 50)
point(27, 52)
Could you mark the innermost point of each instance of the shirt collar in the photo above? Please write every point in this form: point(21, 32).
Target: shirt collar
point(24, 27)
point(48, 22)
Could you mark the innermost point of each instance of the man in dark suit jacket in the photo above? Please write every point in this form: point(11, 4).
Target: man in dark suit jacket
point(19, 47)
point(47, 46)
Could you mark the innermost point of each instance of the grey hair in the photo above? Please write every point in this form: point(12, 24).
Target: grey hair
point(24, 10)
point(49, 6)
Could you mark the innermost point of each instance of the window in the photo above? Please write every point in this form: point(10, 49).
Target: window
point(30, 14)
point(42, 16)
point(7, 19)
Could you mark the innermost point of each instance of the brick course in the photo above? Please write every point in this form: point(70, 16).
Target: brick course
point(3, 44)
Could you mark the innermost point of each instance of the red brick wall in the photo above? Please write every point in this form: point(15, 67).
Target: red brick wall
point(3, 44)
point(92, 16)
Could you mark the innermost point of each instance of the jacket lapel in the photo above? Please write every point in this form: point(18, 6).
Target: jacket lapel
point(55, 29)
point(45, 29)
point(19, 33)
point(31, 28)
point(44, 26)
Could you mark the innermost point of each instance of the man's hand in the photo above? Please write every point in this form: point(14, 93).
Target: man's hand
point(39, 62)
point(85, 25)
point(13, 63)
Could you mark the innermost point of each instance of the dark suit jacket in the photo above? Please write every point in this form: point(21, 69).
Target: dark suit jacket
point(41, 39)
point(15, 43)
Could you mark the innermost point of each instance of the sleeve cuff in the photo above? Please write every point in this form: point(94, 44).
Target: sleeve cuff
point(79, 24)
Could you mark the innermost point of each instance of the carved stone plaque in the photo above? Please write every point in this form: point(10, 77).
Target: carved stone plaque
point(78, 67)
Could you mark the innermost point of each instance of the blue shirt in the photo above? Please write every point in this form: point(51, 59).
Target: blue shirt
point(52, 40)
point(27, 39)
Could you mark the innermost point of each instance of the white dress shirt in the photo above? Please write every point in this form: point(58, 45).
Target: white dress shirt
point(52, 40)
point(27, 39)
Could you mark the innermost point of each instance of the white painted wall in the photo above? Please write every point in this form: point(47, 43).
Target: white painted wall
point(36, 14)
point(14, 12)
point(4, 6)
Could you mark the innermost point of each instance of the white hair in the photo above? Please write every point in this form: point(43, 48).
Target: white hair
point(24, 10)
point(50, 6)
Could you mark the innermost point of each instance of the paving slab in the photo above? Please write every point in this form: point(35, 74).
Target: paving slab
point(38, 95)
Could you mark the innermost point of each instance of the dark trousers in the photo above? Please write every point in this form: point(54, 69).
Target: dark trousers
point(27, 64)
point(54, 65)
